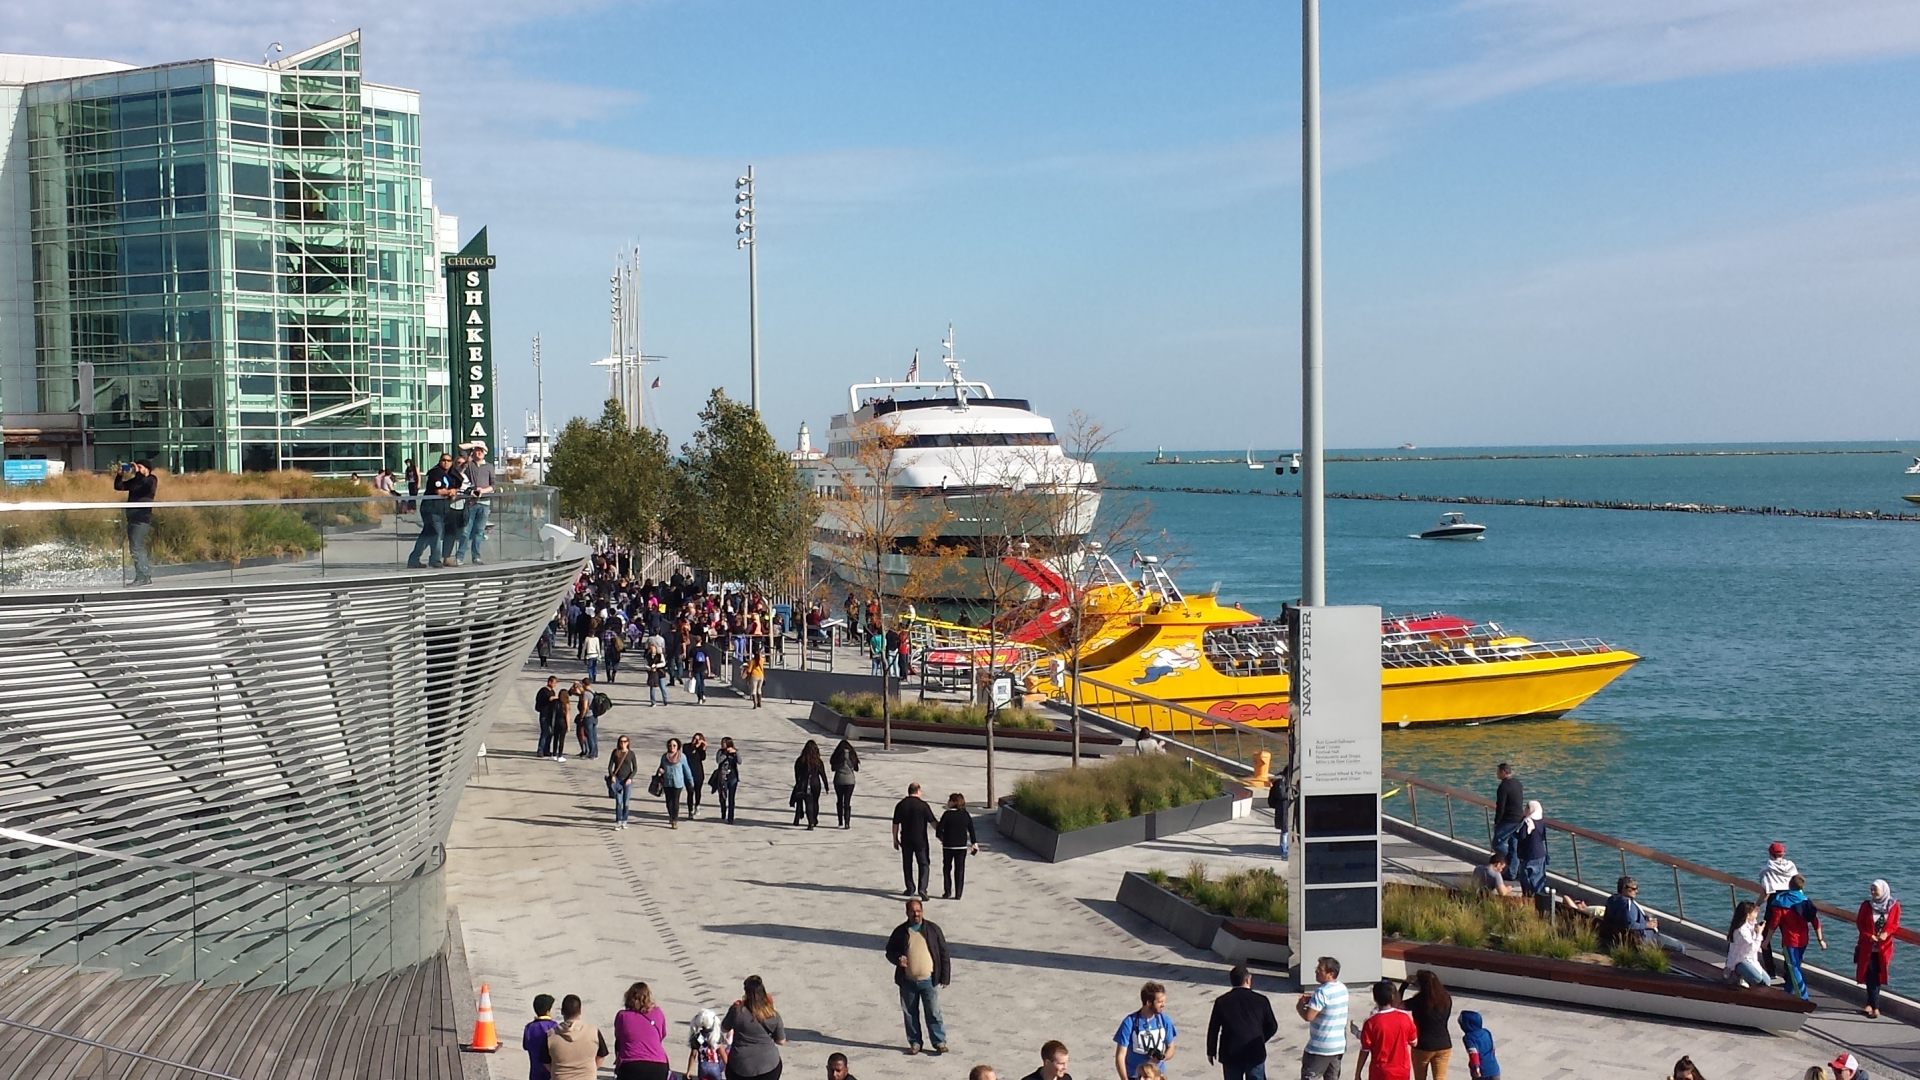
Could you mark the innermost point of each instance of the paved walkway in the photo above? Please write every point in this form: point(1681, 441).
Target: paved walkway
point(553, 900)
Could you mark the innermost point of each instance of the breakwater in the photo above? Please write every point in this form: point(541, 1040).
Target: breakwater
point(1838, 514)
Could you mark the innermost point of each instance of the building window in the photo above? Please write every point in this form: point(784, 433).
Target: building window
point(253, 263)
point(250, 120)
point(252, 189)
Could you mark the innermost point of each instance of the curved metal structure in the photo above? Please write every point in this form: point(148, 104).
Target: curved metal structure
point(250, 781)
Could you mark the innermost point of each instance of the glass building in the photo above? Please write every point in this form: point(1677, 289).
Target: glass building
point(233, 266)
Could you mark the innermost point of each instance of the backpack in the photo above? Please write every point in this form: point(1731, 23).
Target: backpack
point(601, 703)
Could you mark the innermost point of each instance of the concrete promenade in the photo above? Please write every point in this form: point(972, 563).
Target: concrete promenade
point(552, 900)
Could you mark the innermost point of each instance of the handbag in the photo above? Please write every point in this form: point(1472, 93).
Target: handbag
point(658, 785)
point(610, 787)
point(795, 798)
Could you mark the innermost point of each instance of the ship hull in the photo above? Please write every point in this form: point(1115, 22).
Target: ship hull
point(1533, 688)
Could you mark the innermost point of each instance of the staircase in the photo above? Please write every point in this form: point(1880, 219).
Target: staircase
point(59, 1022)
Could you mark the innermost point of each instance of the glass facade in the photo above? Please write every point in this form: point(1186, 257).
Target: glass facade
point(244, 255)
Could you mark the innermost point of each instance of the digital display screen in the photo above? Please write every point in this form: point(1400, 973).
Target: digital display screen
point(1341, 815)
point(1342, 909)
point(1341, 862)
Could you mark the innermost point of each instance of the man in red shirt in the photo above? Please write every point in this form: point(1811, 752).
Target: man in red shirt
point(1387, 1038)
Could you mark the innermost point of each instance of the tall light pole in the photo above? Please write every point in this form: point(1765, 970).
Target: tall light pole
point(540, 408)
point(1313, 486)
point(744, 229)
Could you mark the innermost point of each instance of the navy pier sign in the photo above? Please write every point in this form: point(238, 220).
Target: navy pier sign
point(470, 332)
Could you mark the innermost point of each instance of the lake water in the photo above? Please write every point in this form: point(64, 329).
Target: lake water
point(1776, 697)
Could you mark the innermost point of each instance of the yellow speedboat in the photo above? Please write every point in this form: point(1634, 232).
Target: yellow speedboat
point(1149, 640)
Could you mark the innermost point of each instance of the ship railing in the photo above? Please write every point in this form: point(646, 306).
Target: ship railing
point(1677, 891)
point(78, 905)
point(1435, 656)
point(71, 547)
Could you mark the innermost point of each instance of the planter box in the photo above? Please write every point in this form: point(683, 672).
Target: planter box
point(1597, 987)
point(1169, 910)
point(1019, 740)
point(1251, 941)
point(1059, 847)
point(1235, 940)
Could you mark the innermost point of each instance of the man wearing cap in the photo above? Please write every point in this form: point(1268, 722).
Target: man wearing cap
point(479, 485)
point(1847, 1067)
point(1774, 878)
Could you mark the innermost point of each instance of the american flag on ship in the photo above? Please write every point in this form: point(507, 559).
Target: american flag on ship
point(913, 369)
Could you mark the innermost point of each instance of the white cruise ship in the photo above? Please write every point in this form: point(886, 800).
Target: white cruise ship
point(963, 476)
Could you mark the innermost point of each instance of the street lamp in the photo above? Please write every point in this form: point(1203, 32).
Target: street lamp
point(744, 238)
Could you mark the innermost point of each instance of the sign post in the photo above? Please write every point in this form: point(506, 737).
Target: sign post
point(1335, 870)
point(470, 330)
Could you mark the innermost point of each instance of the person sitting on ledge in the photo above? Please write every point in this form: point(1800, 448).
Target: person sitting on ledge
point(1625, 917)
point(1491, 875)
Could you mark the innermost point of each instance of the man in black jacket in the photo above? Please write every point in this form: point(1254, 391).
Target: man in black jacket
point(1238, 1031)
point(1509, 810)
point(921, 966)
point(433, 541)
point(140, 484)
point(912, 817)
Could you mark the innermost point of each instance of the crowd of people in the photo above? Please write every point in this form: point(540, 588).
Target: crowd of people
point(1517, 866)
point(684, 633)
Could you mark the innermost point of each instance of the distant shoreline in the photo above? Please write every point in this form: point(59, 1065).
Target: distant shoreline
point(1537, 456)
point(1837, 514)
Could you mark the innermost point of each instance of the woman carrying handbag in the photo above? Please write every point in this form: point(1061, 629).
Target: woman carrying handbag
point(620, 769)
point(672, 779)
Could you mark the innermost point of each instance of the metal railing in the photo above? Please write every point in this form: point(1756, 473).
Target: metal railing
point(1670, 886)
point(1229, 741)
point(78, 905)
point(51, 546)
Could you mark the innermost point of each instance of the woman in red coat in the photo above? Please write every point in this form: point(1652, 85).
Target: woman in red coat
point(1873, 957)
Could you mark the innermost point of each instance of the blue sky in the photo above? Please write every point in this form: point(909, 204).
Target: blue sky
point(1547, 221)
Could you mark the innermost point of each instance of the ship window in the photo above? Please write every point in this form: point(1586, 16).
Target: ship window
point(984, 438)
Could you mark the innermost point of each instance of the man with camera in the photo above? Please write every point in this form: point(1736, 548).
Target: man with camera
point(1144, 1036)
point(137, 479)
point(479, 477)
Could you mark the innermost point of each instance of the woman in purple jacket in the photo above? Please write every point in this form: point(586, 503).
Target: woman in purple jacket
point(640, 1037)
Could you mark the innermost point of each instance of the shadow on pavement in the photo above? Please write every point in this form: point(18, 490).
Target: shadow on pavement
point(835, 1041)
point(814, 886)
point(989, 954)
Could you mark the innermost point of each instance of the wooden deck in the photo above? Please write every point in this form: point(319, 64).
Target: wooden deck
point(400, 1027)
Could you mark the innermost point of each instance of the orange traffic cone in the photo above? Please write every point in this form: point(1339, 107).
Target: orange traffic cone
point(485, 1039)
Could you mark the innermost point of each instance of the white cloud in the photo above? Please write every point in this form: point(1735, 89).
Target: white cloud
point(1533, 44)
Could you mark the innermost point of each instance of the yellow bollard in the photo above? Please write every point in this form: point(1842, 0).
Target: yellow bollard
point(1262, 766)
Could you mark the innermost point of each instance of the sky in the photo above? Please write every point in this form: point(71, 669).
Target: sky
point(1546, 221)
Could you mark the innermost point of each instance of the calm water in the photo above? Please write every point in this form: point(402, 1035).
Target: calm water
point(1776, 697)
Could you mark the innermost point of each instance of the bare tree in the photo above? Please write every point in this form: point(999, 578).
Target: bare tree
point(1117, 527)
point(884, 536)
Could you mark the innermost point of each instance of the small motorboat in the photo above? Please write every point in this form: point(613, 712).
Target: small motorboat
point(1453, 526)
point(1914, 469)
point(1911, 498)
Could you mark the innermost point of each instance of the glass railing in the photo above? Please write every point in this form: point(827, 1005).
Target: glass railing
point(61, 547)
point(75, 905)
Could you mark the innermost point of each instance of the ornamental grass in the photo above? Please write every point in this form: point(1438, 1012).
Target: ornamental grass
point(1478, 920)
point(1067, 799)
point(867, 707)
point(1259, 893)
point(194, 534)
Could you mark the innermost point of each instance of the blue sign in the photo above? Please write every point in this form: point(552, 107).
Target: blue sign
point(26, 471)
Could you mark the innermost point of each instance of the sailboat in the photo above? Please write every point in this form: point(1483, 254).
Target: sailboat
point(1252, 464)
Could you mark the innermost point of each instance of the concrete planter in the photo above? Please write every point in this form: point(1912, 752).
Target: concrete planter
point(1019, 741)
point(1169, 910)
point(1235, 940)
point(1596, 986)
point(1059, 847)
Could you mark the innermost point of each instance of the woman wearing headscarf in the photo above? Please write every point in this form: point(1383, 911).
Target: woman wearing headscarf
point(1532, 846)
point(1879, 917)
